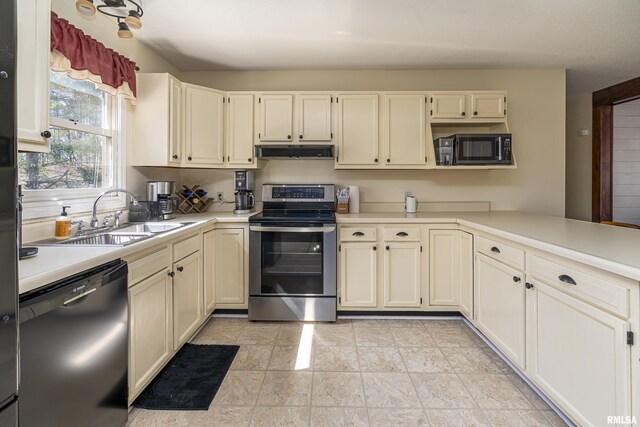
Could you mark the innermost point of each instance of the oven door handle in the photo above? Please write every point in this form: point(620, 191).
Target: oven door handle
point(325, 229)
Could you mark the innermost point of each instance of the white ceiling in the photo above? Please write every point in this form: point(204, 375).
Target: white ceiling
point(597, 41)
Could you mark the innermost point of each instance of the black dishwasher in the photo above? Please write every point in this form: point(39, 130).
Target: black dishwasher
point(73, 350)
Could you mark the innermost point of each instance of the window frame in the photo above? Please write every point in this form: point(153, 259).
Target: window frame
point(48, 203)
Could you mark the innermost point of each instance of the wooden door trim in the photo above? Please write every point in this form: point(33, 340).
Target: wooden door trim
point(602, 150)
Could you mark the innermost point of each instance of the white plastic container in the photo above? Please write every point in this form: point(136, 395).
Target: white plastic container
point(354, 199)
point(410, 204)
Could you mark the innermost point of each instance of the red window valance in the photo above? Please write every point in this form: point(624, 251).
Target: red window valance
point(84, 58)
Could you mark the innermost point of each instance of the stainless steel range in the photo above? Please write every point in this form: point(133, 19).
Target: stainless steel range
point(292, 254)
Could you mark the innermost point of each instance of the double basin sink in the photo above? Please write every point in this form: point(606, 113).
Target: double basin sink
point(123, 235)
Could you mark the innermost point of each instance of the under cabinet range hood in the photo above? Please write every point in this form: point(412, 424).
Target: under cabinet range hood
point(294, 152)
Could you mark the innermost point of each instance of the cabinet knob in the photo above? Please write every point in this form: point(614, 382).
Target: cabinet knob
point(387, 247)
point(300, 136)
point(475, 113)
point(189, 158)
point(172, 274)
point(528, 285)
point(375, 160)
point(180, 269)
point(175, 156)
point(463, 114)
point(388, 160)
point(375, 248)
point(516, 279)
point(46, 134)
point(249, 159)
point(289, 136)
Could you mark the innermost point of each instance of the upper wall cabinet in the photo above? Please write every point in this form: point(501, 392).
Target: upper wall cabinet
point(314, 117)
point(487, 106)
point(276, 117)
point(239, 130)
point(404, 130)
point(158, 121)
point(34, 21)
point(357, 130)
point(203, 123)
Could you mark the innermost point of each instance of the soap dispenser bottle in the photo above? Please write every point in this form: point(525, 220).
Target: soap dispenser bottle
point(63, 224)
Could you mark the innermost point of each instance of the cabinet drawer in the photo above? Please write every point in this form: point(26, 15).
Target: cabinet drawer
point(149, 265)
point(501, 251)
point(186, 247)
point(401, 234)
point(357, 234)
point(598, 291)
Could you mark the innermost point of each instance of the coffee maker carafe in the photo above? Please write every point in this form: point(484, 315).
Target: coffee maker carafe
point(243, 186)
point(161, 194)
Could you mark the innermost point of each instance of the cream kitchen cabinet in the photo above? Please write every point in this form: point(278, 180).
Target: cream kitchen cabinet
point(276, 117)
point(405, 129)
point(158, 121)
point(578, 355)
point(500, 306)
point(229, 268)
point(448, 105)
point(358, 275)
point(187, 290)
point(239, 131)
point(451, 269)
point(357, 130)
point(203, 127)
point(209, 278)
point(33, 65)
point(402, 274)
point(150, 318)
point(488, 105)
point(314, 117)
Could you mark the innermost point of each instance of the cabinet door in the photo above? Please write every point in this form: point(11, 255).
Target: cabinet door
point(276, 117)
point(229, 266)
point(175, 122)
point(314, 117)
point(466, 273)
point(448, 106)
point(405, 130)
point(33, 52)
point(187, 298)
point(209, 273)
point(488, 105)
point(358, 274)
point(578, 356)
point(240, 126)
point(150, 338)
point(500, 306)
point(204, 143)
point(402, 274)
point(444, 263)
point(357, 129)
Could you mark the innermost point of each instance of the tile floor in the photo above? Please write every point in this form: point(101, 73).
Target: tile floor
point(360, 373)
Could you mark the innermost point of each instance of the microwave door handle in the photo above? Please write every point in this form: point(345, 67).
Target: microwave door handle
point(499, 148)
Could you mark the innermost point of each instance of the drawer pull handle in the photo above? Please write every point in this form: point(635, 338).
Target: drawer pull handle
point(567, 279)
point(402, 234)
point(495, 250)
point(516, 279)
point(358, 233)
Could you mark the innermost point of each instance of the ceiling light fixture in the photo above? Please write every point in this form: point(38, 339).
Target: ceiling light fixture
point(128, 13)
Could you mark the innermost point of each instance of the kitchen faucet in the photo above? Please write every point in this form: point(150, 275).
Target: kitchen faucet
point(94, 218)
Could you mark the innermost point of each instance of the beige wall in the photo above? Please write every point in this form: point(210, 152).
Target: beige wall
point(104, 29)
point(578, 199)
point(536, 104)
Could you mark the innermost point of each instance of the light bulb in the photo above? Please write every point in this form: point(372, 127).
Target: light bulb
point(133, 20)
point(123, 31)
point(85, 7)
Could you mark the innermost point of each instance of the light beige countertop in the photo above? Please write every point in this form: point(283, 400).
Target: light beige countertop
point(57, 262)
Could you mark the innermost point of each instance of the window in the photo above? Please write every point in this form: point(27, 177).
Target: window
point(84, 155)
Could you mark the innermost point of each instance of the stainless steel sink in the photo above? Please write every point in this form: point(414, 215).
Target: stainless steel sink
point(124, 235)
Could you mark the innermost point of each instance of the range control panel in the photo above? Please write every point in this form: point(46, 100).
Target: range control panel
point(297, 192)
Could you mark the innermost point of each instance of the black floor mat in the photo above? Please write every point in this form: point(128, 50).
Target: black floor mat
point(190, 380)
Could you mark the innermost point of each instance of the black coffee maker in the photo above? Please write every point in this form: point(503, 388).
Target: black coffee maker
point(243, 186)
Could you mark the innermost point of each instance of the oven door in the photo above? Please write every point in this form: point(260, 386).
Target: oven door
point(480, 150)
point(292, 260)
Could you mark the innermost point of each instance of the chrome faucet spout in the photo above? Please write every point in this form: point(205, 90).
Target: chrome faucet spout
point(94, 218)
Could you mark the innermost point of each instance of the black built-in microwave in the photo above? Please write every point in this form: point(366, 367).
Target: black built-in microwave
point(473, 149)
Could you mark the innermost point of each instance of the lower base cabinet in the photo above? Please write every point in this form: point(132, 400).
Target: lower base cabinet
point(578, 355)
point(187, 298)
point(402, 274)
point(500, 306)
point(229, 268)
point(358, 275)
point(150, 329)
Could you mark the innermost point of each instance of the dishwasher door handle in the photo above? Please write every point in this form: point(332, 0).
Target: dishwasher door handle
point(77, 297)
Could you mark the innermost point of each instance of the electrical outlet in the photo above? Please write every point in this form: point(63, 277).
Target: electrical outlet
point(220, 196)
